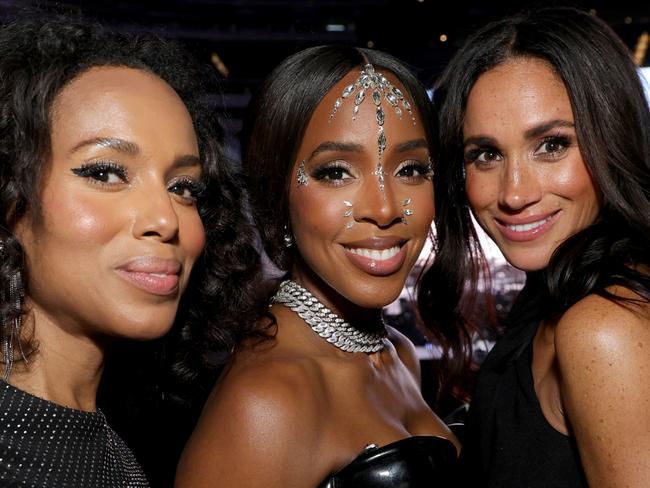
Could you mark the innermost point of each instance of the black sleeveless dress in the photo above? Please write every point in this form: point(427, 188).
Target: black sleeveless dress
point(413, 462)
point(509, 443)
point(46, 445)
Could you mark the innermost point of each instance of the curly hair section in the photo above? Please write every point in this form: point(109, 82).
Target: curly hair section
point(39, 55)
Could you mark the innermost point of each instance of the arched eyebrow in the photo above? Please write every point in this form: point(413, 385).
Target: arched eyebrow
point(132, 149)
point(544, 127)
point(532, 133)
point(120, 145)
point(411, 145)
point(336, 146)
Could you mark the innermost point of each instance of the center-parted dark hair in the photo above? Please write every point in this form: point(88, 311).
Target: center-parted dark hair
point(612, 124)
point(39, 55)
point(278, 117)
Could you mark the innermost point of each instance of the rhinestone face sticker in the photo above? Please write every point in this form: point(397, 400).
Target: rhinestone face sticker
point(349, 212)
point(379, 88)
point(407, 211)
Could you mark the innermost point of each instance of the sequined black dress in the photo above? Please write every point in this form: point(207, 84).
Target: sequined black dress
point(46, 445)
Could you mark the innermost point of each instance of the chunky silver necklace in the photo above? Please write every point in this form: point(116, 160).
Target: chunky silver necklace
point(326, 323)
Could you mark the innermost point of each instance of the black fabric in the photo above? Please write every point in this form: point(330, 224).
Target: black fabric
point(508, 442)
point(414, 462)
point(46, 445)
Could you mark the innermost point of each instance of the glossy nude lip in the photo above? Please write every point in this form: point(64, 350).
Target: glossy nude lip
point(380, 256)
point(527, 229)
point(158, 276)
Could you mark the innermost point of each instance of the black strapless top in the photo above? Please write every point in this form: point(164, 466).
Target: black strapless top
point(413, 462)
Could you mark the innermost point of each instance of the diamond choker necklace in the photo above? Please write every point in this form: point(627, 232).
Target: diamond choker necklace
point(326, 323)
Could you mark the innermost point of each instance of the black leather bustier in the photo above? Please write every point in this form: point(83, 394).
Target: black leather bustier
point(413, 462)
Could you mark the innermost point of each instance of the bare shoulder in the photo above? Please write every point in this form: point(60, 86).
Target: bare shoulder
point(603, 356)
point(406, 351)
point(258, 417)
point(599, 324)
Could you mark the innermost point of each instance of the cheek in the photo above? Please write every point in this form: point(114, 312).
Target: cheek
point(316, 214)
point(481, 190)
point(192, 234)
point(80, 219)
point(423, 207)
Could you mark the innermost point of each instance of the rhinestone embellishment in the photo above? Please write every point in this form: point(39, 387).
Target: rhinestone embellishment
point(326, 323)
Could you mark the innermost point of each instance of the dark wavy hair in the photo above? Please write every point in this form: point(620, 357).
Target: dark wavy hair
point(40, 53)
point(613, 129)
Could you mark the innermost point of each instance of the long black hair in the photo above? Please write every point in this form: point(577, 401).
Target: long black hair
point(612, 123)
point(278, 117)
point(40, 53)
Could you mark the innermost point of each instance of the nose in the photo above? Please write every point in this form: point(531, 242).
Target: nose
point(155, 215)
point(375, 201)
point(520, 185)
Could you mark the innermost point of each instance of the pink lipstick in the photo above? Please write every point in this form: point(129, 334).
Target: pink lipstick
point(158, 276)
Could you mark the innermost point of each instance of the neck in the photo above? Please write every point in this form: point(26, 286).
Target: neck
point(364, 319)
point(65, 368)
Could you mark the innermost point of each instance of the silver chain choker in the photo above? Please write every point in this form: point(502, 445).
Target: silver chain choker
point(326, 323)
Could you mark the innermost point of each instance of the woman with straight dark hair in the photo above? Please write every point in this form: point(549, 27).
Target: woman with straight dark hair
point(337, 150)
point(545, 139)
point(117, 211)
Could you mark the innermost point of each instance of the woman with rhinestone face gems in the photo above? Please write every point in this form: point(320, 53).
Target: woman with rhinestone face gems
point(545, 136)
point(105, 154)
point(332, 396)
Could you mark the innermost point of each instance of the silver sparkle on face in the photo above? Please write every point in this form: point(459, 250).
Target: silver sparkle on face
point(375, 83)
point(407, 211)
point(301, 175)
point(380, 173)
point(349, 212)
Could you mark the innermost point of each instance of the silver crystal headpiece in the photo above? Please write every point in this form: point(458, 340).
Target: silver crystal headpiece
point(374, 85)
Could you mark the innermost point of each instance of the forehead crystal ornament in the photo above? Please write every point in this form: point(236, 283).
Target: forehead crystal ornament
point(301, 175)
point(379, 88)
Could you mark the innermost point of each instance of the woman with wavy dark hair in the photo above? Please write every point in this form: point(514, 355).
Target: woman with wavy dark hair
point(115, 202)
point(545, 139)
point(337, 151)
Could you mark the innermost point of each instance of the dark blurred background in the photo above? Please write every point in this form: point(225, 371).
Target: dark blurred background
point(243, 40)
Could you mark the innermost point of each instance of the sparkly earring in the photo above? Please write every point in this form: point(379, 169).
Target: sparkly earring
point(12, 330)
point(407, 211)
point(348, 213)
point(301, 175)
point(288, 240)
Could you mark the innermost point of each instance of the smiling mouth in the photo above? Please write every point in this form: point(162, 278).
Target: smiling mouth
point(527, 231)
point(530, 226)
point(375, 260)
point(375, 254)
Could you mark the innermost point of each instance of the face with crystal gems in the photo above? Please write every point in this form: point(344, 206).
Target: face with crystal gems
point(526, 181)
point(359, 229)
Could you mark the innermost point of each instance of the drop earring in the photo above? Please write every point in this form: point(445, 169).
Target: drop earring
point(288, 240)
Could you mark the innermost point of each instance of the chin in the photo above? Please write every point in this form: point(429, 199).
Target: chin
point(374, 297)
point(528, 262)
point(145, 328)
